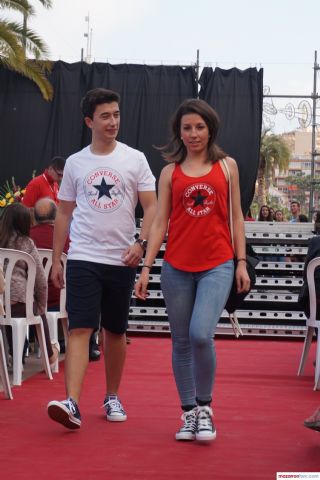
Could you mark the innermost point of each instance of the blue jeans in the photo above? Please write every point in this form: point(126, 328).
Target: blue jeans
point(195, 301)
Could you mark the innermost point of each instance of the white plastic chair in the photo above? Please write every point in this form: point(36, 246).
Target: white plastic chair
point(53, 317)
point(312, 324)
point(4, 370)
point(19, 325)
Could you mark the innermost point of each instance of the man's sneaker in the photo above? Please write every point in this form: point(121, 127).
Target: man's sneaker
point(205, 429)
point(188, 429)
point(114, 409)
point(66, 412)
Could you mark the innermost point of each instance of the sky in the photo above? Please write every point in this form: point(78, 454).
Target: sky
point(280, 36)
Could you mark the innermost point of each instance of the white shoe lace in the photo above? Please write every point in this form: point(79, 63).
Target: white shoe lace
point(204, 418)
point(189, 419)
point(70, 405)
point(114, 404)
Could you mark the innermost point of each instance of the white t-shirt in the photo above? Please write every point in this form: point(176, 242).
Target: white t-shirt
point(105, 188)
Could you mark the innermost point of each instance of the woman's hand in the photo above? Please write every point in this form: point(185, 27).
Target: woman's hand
point(242, 277)
point(140, 288)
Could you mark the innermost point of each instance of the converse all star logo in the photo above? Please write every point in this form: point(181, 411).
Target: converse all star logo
point(104, 189)
point(199, 199)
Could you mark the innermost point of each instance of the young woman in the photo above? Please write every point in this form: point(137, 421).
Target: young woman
point(14, 233)
point(265, 215)
point(279, 216)
point(198, 266)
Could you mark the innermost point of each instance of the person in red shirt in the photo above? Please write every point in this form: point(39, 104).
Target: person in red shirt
point(198, 266)
point(46, 184)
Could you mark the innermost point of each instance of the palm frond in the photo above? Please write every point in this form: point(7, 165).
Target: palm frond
point(22, 6)
point(16, 41)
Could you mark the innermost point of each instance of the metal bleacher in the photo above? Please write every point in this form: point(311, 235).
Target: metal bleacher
point(271, 307)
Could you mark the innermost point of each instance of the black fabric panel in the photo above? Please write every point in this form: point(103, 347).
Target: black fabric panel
point(237, 96)
point(33, 131)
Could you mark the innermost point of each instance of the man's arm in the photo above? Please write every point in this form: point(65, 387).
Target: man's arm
point(148, 201)
point(134, 253)
point(31, 194)
point(61, 231)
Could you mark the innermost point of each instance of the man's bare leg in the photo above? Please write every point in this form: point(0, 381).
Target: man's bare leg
point(115, 347)
point(77, 358)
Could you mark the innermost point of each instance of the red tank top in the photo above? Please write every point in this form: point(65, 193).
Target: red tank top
point(199, 235)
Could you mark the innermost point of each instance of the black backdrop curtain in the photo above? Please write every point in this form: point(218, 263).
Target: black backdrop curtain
point(237, 96)
point(33, 131)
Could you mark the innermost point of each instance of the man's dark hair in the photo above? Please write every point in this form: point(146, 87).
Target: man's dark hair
point(57, 163)
point(295, 201)
point(95, 97)
point(45, 210)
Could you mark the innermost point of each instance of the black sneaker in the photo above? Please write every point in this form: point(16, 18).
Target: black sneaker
point(114, 409)
point(66, 412)
point(205, 428)
point(189, 427)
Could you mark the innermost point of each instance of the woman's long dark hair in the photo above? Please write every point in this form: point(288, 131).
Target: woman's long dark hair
point(261, 218)
point(15, 221)
point(175, 150)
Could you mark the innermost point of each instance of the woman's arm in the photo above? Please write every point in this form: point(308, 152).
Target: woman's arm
point(242, 277)
point(40, 286)
point(157, 231)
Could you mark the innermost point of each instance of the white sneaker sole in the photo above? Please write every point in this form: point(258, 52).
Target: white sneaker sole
point(116, 418)
point(187, 437)
point(206, 436)
point(60, 414)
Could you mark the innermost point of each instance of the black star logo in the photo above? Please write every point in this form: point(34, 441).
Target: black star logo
point(104, 189)
point(198, 199)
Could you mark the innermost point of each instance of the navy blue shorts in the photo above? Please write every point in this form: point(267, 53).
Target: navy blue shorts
point(99, 294)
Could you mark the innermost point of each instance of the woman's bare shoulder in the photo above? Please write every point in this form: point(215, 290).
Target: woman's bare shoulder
point(167, 171)
point(231, 162)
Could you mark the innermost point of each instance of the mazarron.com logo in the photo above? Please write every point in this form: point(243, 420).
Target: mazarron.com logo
point(199, 199)
point(104, 189)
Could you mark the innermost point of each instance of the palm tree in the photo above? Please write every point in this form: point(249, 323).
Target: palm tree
point(274, 154)
point(16, 40)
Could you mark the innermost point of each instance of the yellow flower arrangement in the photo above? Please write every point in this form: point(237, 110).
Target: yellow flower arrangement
point(10, 193)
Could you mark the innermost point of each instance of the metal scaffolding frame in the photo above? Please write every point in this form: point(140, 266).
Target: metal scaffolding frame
point(314, 153)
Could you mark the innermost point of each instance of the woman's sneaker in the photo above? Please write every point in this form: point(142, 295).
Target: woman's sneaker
point(66, 412)
point(188, 429)
point(205, 429)
point(114, 409)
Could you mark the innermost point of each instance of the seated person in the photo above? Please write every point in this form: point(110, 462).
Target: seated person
point(14, 233)
point(45, 211)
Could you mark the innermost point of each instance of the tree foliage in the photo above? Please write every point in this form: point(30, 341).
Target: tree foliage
point(274, 154)
point(17, 41)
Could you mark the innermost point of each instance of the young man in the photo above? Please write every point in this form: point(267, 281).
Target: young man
point(295, 211)
point(98, 195)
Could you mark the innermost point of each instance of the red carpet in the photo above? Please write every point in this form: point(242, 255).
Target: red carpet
point(259, 406)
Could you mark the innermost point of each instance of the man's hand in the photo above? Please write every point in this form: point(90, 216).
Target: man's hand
point(57, 275)
point(133, 255)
